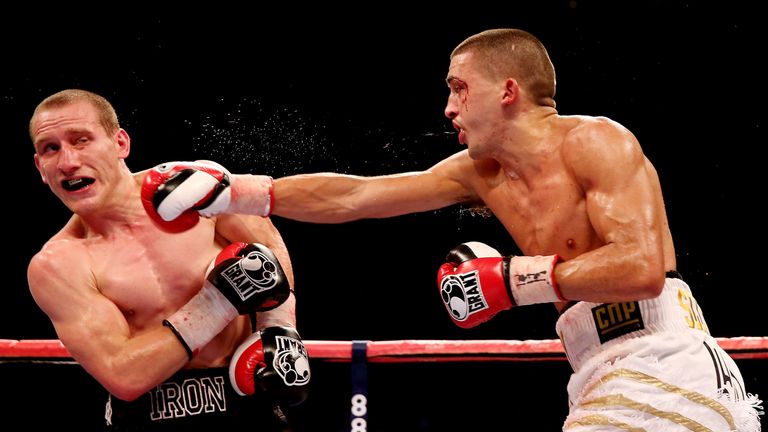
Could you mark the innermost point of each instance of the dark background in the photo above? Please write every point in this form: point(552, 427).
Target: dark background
point(361, 91)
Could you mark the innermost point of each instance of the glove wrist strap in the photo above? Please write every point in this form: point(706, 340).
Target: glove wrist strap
point(252, 194)
point(532, 279)
point(203, 317)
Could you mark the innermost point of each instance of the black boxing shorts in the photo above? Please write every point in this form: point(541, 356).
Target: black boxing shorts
point(193, 399)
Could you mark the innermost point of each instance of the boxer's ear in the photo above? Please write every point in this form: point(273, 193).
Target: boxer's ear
point(123, 143)
point(40, 169)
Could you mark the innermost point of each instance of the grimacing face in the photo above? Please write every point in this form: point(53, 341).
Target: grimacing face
point(75, 156)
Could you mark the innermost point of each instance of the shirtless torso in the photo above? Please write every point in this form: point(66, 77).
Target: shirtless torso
point(147, 273)
point(547, 212)
point(110, 277)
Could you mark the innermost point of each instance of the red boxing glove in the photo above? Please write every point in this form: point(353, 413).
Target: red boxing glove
point(173, 192)
point(273, 361)
point(176, 194)
point(472, 284)
point(477, 282)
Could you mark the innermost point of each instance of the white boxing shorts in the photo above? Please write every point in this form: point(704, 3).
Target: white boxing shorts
point(651, 365)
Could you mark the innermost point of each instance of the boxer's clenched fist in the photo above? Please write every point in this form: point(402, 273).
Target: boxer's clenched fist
point(176, 194)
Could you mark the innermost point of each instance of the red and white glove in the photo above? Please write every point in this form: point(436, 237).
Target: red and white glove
point(176, 194)
point(273, 361)
point(476, 282)
point(243, 278)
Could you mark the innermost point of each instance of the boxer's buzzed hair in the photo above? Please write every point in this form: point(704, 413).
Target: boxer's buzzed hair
point(107, 114)
point(514, 53)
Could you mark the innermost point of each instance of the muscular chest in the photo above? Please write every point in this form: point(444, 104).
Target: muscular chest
point(151, 274)
point(544, 216)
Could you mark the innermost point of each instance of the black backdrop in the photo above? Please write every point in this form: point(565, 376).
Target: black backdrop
point(362, 91)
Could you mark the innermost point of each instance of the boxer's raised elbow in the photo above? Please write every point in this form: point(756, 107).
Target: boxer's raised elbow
point(124, 389)
point(126, 384)
point(649, 281)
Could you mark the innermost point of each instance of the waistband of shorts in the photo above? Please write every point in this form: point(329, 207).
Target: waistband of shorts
point(587, 329)
point(674, 274)
point(186, 396)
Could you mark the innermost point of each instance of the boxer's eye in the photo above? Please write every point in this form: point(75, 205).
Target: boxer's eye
point(50, 148)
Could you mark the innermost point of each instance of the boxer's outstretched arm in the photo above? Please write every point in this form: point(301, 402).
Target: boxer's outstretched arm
point(334, 198)
point(94, 330)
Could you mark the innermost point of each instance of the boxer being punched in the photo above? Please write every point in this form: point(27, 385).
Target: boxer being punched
point(149, 309)
point(584, 204)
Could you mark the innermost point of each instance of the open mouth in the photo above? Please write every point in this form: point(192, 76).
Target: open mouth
point(72, 185)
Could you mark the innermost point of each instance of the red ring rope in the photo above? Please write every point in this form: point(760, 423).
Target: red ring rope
point(397, 351)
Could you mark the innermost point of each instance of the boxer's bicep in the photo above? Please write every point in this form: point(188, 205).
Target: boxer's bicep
point(444, 184)
point(608, 163)
point(90, 325)
point(400, 194)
